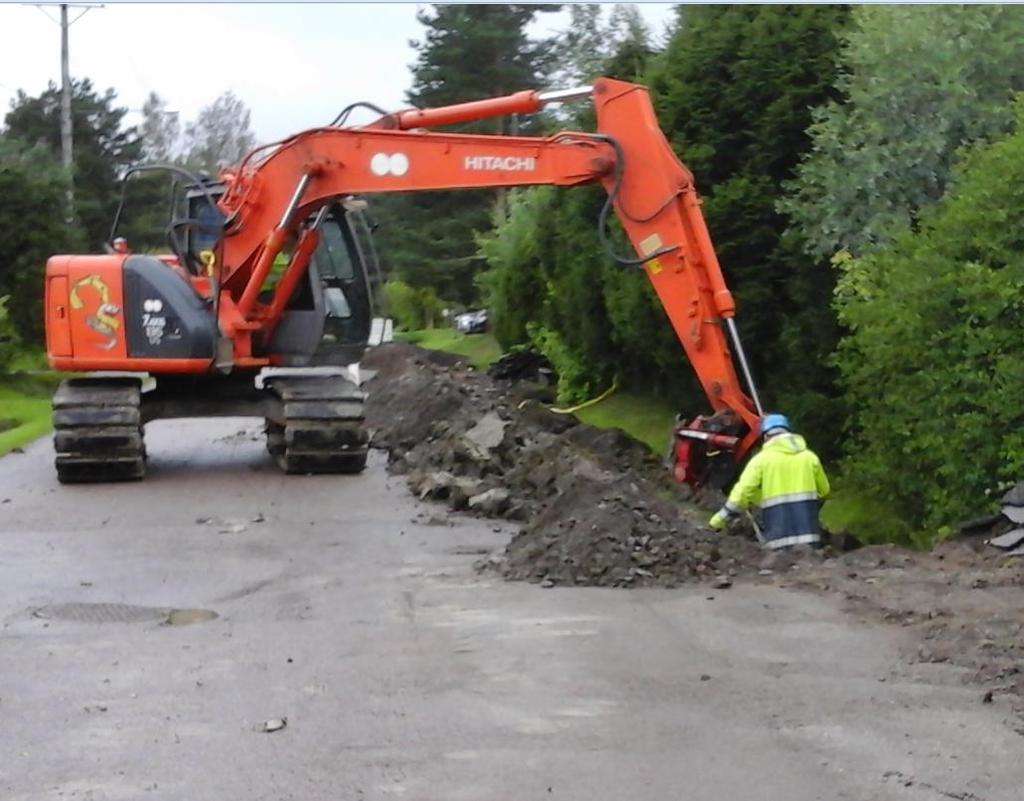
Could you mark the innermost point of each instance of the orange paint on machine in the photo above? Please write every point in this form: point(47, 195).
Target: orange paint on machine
point(85, 308)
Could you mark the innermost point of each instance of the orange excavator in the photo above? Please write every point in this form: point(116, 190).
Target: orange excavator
point(267, 299)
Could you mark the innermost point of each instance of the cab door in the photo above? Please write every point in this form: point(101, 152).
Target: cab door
point(340, 265)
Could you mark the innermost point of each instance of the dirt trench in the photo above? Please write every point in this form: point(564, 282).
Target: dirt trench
point(595, 508)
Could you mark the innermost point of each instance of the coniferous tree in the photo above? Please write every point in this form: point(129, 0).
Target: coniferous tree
point(733, 90)
point(552, 284)
point(468, 52)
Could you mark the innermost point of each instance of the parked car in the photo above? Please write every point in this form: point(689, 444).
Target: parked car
point(471, 322)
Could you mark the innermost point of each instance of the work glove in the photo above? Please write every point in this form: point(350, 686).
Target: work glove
point(718, 521)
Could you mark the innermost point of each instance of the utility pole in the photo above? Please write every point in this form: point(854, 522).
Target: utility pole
point(66, 141)
point(67, 144)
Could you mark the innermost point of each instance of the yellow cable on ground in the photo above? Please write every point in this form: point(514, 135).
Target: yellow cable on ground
point(573, 409)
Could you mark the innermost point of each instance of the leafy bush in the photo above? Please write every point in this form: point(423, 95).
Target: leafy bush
point(575, 382)
point(413, 308)
point(9, 340)
point(32, 228)
point(551, 284)
point(932, 364)
point(513, 288)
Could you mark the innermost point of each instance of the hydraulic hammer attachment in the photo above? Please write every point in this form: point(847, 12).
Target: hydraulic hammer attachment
point(703, 450)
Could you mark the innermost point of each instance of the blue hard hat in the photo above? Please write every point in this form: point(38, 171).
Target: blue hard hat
point(770, 421)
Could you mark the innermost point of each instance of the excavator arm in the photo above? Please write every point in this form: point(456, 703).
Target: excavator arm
point(273, 197)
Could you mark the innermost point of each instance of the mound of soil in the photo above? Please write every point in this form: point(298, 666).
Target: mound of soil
point(596, 508)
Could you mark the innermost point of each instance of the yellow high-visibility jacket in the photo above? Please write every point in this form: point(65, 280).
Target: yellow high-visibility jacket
point(787, 481)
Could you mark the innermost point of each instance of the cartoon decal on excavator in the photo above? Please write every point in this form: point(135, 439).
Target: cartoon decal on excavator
point(103, 321)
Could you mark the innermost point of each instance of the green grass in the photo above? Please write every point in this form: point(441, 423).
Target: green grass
point(25, 400)
point(871, 522)
point(479, 349)
point(28, 360)
point(648, 418)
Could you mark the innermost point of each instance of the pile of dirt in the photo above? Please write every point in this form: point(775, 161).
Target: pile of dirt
point(596, 508)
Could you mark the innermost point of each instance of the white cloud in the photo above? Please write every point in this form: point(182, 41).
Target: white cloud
point(295, 65)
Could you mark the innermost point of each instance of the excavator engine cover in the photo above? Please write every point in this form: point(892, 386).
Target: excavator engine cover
point(117, 312)
point(165, 317)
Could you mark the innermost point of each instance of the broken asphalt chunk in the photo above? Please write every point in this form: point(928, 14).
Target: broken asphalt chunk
point(1014, 514)
point(1009, 540)
point(1015, 497)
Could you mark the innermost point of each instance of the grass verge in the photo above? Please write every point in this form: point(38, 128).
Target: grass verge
point(871, 522)
point(479, 349)
point(25, 404)
point(28, 360)
point(645, 417)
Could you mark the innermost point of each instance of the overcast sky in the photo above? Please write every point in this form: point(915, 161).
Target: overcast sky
point(295, 65)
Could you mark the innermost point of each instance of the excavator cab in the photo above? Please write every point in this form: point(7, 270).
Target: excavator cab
point(330, 317)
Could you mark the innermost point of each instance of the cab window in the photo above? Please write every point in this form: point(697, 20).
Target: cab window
point(332, 257)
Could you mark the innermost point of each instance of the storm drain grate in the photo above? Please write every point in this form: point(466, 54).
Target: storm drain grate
point(121, 613)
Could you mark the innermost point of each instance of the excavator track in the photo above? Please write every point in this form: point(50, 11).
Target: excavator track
point(98, 432)
point(319, 428)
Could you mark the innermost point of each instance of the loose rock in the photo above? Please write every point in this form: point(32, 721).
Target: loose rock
point(491, 503)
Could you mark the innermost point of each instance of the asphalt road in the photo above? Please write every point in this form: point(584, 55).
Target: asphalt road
point(403, 674)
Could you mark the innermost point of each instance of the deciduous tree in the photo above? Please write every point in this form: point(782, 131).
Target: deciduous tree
point(160, 130)
point(920, 81)
point(220, 135)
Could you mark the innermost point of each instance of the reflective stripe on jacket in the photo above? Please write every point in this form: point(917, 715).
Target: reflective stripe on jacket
point(787, 481)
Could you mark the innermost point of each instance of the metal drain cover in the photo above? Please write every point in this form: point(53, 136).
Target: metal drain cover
point(118, 613)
